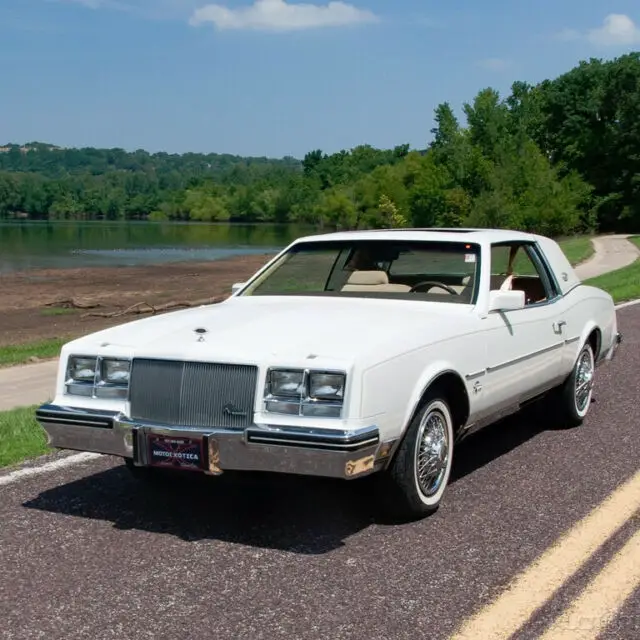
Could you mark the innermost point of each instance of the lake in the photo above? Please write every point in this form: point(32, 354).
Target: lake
point(50, 245)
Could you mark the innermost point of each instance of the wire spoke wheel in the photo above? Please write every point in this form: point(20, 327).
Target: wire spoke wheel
point(432, 452)
point(583, 387)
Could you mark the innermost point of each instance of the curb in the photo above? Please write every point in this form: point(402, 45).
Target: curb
point(629, 303)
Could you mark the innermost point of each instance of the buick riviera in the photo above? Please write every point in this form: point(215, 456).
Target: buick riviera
point(348, 354)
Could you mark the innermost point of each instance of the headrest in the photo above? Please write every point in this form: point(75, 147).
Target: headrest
point(368, 278)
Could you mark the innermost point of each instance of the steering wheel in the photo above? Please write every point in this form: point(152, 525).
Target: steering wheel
point(433, 283)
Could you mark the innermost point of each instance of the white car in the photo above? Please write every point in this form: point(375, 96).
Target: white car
point(347, 354)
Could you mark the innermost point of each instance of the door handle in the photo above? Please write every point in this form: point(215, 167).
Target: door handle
point(557, 326)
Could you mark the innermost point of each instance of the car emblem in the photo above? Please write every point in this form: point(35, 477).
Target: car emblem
point(230, 409)
point(200, 331)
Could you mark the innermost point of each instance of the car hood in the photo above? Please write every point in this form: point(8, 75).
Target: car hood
point(286, 329)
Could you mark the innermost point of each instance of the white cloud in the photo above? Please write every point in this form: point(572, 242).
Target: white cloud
point(279, 15)
point(617, 30)
point(493, 64)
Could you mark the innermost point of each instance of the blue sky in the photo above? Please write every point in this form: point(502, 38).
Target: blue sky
point(276, 78)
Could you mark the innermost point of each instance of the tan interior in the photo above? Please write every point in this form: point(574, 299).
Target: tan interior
point(372, 281)
point(496, 282)
point(375, 280)
point(465, 287)
point(379, 281)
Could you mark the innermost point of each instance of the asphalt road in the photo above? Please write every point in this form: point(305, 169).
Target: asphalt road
point(86, 552)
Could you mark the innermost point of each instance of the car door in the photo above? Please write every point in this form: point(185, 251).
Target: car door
point(524, 347)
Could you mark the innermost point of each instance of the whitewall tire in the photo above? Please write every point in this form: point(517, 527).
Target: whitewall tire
point(418, 475)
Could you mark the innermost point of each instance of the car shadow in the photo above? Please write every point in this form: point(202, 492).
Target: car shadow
point(498, 439)
point(301, 514)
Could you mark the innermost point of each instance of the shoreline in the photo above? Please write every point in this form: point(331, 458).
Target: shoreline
point(38, 304)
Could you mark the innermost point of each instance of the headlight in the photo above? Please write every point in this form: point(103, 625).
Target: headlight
point(304, 392)
point(116, 371)
point(81, 369)
point(97, 377)
point(286, 383)
point(327, 386)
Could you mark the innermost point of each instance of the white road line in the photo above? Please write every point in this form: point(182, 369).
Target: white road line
point(69, 461)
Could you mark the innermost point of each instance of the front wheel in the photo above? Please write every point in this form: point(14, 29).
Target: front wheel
point(416, 480)
point(575, 395)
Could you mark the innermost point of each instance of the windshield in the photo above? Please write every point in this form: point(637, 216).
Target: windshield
point(408, 270)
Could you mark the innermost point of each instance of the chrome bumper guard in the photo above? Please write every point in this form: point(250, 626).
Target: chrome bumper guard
point(337, 453)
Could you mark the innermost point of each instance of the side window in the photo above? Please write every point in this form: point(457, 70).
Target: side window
point(521, 264)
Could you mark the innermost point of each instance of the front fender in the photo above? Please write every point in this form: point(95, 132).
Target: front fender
point(425, 380)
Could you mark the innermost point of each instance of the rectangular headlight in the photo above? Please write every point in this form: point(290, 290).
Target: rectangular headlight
point(305, 392)
point(116, 371)
point(327, 386)
point(94, 376)
point(289, 384)
point(81, 369)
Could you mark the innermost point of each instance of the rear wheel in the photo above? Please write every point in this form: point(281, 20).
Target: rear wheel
point(416, 480)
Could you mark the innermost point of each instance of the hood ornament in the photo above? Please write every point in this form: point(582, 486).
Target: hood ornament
point(201, 331)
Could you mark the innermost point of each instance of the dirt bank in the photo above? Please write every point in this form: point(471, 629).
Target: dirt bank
point(30, 306)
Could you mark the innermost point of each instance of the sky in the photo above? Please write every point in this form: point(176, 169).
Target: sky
point(279, 77)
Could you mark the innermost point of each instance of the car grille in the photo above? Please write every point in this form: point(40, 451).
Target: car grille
point(192, 394)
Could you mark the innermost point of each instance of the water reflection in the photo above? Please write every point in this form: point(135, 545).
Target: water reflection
point(33, 245)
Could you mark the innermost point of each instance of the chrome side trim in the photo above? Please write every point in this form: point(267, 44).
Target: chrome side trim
point(572, 340)
point(527, 356)
point(476, 374)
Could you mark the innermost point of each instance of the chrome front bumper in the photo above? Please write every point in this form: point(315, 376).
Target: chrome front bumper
point(332, 453)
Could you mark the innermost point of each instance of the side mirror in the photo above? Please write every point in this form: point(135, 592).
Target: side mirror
point(506, 300)
point(236, 287)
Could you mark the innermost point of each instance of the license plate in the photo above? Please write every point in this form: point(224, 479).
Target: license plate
point(175, 452)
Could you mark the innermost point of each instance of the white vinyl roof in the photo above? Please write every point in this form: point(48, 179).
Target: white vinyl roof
point(479, 236)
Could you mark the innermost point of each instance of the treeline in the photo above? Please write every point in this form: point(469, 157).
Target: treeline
point(559, 157)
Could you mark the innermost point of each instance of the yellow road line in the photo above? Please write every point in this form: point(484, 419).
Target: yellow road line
point(603, 597)
point(540, 581)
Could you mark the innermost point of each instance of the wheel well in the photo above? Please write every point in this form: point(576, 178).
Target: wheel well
point(452, 387)
point(595, 339)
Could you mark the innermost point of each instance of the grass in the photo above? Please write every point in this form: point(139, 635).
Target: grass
point(577, 249)
point(21, 437)
point(57, 311)
point(623, 284)
point(21, 353)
